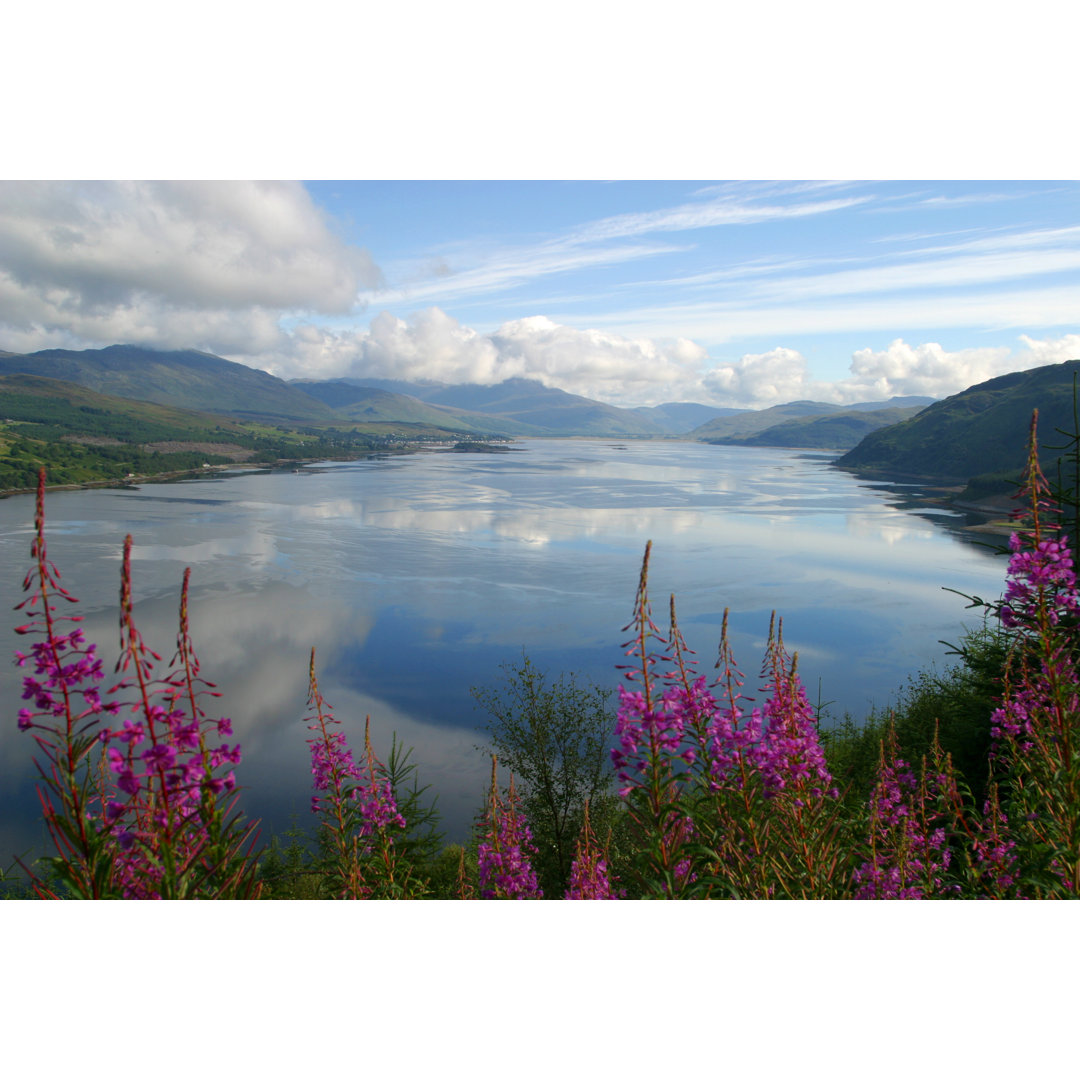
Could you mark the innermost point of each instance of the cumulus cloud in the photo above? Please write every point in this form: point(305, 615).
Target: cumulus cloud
point(594, 361)
point(930, 370)
point(149, 262)
point(759, 379)
point(432, 345)
point(926, 370)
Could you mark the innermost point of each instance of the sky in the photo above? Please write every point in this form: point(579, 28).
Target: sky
point(730, 293)
point(496, 198)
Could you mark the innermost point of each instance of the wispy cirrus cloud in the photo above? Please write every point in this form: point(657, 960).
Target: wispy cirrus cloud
point(721, 323)
point(510, 269)
point(729, 210)
point(987, 280)
point(600, 243)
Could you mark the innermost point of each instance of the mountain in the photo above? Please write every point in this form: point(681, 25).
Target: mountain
point(184, 379)
point(199, 381)
point(544, 408)
point(836, 431)
point(981, 430)
point(784, 425)
point(369, 404)
point(512, 407)
point(81, 436)
point(680, 417)
point(742, 424)
point(909, 402)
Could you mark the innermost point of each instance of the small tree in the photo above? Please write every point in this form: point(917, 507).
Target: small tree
point(554, 736)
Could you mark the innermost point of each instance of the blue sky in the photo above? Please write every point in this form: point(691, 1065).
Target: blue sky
point(733, 293)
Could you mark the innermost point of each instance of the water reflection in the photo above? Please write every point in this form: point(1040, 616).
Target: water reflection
point(416, 577)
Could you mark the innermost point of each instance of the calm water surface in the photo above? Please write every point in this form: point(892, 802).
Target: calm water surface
point(415, 577)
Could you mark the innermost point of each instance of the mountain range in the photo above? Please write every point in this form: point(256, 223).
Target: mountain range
point(199, 381)
point(981, 430)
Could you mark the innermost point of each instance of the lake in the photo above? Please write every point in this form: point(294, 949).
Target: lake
point(417, 576)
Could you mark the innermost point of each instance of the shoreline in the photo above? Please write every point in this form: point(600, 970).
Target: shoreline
point(183, 474)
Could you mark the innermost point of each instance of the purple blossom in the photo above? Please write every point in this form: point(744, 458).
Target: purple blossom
point(589, 878)
point(161, 757)
point(162, 804)
point(909, 847)
point(1039, 579)
point(504, 854)
point(332, 762)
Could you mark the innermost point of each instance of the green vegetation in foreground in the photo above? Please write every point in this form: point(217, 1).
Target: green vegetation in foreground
point(955, 703)
point(552, 733)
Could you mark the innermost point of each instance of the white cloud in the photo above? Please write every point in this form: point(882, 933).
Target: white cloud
point(433, 345)
point(930, 370)
point(726, 210)
point(594, 361)
point(759, 379)
point(146, 261)
point(901, 370)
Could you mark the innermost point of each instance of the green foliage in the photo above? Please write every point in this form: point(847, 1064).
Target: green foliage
point(955, 704)
point(288, 871)
point(554, 736)
point(451, 873)
point(420, 842)
point(74, 463)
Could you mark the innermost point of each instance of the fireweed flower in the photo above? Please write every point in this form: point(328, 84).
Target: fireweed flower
point(589, 872)
point(336, 773)
point(167, 833)
point(1035, 727)
point(1040, 580)
point(358, 812)
point(789, 754)
point(909, 850)
point(176, 837)
point(332, 767)
point(506, 848)
point(994, 850)
point(702, 767)
point(64, 710)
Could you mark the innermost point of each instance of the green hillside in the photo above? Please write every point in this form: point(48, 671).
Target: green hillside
point(744, 424)
point(981, 430)
point(681, 417)
point(837, 431)
point(513, 407)
point(81, 436)
point(542, 410)
point(368, 404)
point(184, 379)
